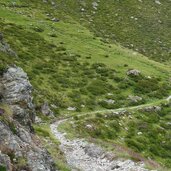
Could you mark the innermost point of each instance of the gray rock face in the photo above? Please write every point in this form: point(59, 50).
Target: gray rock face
point(45, 109)
point(23, 146)
point(17, 93)
point(5, 161)
point(16, 138)
point(43, 161)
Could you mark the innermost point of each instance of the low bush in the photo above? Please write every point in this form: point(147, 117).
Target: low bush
point(2, 168)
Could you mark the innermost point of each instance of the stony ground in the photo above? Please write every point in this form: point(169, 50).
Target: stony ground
point(85, 156)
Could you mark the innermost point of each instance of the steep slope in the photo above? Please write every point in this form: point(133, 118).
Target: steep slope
point(71, 68)
point(140, 25)
point(75, 72)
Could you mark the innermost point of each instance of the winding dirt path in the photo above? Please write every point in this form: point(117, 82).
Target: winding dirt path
point(85, 156)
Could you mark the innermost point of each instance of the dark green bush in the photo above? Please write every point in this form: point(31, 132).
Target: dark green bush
point(98, 87)
point(3, 168)
point(146, 86)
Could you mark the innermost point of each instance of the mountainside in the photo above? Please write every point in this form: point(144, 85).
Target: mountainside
point(80, 70)
point(143, 26)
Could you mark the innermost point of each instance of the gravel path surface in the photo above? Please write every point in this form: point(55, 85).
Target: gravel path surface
point(85, 156)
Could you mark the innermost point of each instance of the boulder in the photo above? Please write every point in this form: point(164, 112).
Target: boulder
point(133, 72)
point(134, 99)
point(152, 109)
point(71, 108)
point(169, 98)
point(40, 160)
point(158, 2)
point(95, 5)
point(45, 109)
point(38, 120)
point(55, 19)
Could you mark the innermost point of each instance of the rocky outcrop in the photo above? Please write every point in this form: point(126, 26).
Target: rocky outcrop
point(17, 93)
point(20, 149)
point(20, 145)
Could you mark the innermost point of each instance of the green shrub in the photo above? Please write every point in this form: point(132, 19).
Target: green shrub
point(146, 86)
point(98, 87)
point(2, 168)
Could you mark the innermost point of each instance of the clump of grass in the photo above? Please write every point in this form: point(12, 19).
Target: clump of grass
point(44, 132)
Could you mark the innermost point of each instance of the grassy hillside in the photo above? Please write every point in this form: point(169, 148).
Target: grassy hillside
point(69, 66)
point(140, 25)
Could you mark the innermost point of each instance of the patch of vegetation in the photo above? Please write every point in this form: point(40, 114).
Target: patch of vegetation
point(2, 168)
point(6, 118)
point(147, 133)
